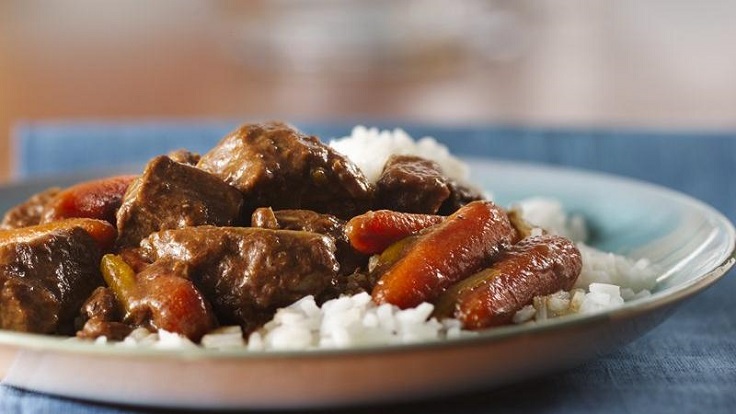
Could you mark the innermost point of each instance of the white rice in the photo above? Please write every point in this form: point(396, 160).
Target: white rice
point(347, 322)
point(370, 148)
point(607, 280)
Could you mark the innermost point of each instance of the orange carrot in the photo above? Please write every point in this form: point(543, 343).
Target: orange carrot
point(374, 231)
point(536, 266)
point(160, 295)
point(445, 254)
point(97, 199)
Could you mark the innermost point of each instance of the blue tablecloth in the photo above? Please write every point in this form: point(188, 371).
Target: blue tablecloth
point(688, 364)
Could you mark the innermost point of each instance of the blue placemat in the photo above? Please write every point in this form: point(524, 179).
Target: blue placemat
point(688, 364)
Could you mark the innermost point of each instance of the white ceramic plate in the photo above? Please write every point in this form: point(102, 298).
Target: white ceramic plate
point(692, 243)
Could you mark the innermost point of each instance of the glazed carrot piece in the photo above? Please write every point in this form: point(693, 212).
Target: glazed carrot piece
point(103, 232)
point(536, 266)
point(445, 254)
point(374, 231)
point(97, 199)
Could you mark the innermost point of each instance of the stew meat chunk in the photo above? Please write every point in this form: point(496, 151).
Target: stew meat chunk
point(46, 273)
point(247, 273)
point(28, 213)
point(305, 220)
point(170, 195)
point(164, 250)
point(276, 166)
point(413, 184)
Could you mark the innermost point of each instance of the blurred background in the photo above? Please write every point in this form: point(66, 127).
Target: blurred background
point(631, 63)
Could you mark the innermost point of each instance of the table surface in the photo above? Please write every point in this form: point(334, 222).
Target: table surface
point(688, 364)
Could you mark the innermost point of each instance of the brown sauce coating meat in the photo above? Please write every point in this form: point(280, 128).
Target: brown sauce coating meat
point(170, 195)
point(45, 276)
point(184, 157)
point(101, 316)
point(460, 195)
point(305, 220)
point(535, 266)
point(166, 246)
point(412, 185)
point(101, 305)
point(353, 275)
point(29, 212)
point(247, 273)
point(276, 166)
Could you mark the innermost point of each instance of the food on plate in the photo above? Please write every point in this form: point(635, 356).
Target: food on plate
point(97, 199)
point(349, 258)
point(276, 240)
point(161, 296)
point(248, 273)
point(419, 268)
point(47, 271)
point(414, 184)
point(374, 231)
point(171, 195)
point(535, 266)
point(274, 165)
point(29, 212)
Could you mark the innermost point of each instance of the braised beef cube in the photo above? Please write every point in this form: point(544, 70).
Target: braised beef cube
point(265, 218)
point(111, 330)
point(101, 316)
point(29, 212)
point(411, 184)
point(276, 166)
point(247, 273)
point(184, 156)
point(306, 220)
point(460, 195)
point(170, 195)
point(45, 276)
point(103, 305)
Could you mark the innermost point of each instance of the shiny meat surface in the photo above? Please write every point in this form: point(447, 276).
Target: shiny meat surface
point(353, 275)
point(101, 316)
point(305, 220)
point(45, 276)
point(411, 184)
point(29, 212)
point(460, 195)
point(276, 166)
point(247, 273)
point(170, 195)
point(184, 156)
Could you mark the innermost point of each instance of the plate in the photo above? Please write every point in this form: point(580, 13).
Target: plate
point(691, 242)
